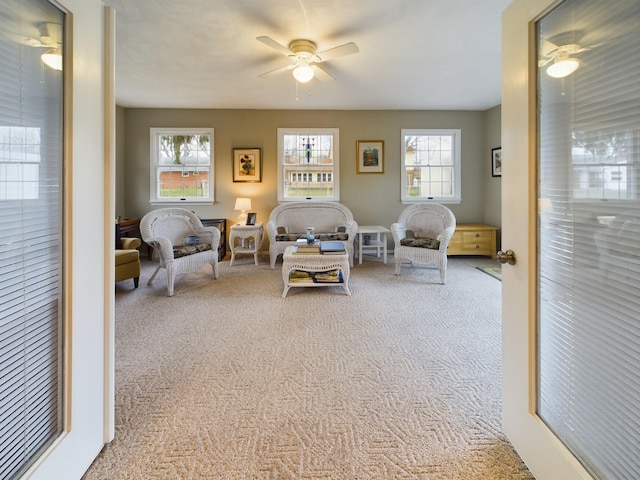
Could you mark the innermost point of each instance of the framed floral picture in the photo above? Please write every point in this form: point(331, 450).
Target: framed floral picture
point(370, 156)
point(247, 165)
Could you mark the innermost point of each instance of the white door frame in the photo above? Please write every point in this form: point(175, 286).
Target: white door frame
point(545, 455)
point(87, 411)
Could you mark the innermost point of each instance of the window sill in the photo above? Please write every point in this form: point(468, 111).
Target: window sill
point(181, 202)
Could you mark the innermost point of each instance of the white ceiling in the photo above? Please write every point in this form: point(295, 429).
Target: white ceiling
point(414, 54)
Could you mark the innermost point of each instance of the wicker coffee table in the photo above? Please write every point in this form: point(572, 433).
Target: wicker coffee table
point(314, 263)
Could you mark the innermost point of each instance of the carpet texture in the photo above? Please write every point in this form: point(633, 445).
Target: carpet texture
point(227, 380)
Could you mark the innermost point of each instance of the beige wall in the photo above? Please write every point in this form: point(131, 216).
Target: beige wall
point(374, 199)
point(121, 199)
point(493, 193)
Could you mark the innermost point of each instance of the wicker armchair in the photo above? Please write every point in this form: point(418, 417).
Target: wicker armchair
point(180, 242)
point(422, 235)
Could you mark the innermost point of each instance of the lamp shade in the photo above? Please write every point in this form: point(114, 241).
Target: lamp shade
point(52, 58)
point(563, 67)
point(243, 204)
point(303, 72)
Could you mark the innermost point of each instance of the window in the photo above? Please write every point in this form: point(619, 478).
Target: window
point(181, 165)
point(308, 164)
point(431, 166)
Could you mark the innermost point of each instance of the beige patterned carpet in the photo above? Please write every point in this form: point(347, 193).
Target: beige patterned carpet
point(227, 380)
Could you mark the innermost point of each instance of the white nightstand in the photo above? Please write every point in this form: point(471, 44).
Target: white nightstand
point(249, 240)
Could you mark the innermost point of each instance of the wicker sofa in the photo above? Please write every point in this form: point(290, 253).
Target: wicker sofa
point(288, 222)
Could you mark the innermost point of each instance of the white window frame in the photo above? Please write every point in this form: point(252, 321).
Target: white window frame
point(334, 174)
point(154, 197)
point(456, 135)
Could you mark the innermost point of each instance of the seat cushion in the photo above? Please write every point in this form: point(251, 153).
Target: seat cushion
point(185, 250)
point(126, 256)
point(292, 237)
point(430, 243)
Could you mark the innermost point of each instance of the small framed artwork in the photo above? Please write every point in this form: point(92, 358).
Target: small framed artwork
point(247, 165)
point(370, 156)
point(251, 218)
point(496, 162)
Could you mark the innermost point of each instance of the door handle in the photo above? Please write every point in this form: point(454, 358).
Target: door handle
point(507, 257)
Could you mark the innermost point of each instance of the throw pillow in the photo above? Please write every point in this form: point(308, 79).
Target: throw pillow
point(185, 250)
point(430, 243)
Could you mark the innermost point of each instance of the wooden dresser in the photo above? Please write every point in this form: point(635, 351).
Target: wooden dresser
point(473, 239)
point(220, 224)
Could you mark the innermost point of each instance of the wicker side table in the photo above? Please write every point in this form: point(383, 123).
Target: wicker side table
point(314, 263)
point(244, 246)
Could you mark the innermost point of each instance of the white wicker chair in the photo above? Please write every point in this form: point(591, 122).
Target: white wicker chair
point(426, 221)
point(166, 227)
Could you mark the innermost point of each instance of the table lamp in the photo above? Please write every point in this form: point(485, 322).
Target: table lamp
point(243, 204)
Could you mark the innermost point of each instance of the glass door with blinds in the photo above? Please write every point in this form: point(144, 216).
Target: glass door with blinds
point(589, 232)
point(55, 396)
point(31, 208)
point(571, 213)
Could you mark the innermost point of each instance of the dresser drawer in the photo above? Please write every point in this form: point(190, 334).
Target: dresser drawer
point(473, 239)
point(477, 240)
point(477, 237)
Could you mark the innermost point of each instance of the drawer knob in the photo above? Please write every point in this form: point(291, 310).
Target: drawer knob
point(477, 235)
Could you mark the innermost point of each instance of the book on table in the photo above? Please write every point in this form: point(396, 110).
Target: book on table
point(306, 250)
point(296, 276)
point(331, 276)
point(332, 247)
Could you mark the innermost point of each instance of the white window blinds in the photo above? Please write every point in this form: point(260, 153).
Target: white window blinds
point(30, 237)
point(589, 240)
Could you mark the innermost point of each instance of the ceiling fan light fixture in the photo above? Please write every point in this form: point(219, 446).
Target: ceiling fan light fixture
point(52, 59)
point(303, 72)
point(563, 67)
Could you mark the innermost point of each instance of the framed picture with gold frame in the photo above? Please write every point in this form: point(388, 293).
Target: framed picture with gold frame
point(370, 156)
point(247, 165)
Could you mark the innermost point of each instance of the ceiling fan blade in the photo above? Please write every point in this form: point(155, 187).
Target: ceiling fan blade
point(277, 70)
point(32, 42)
point(321, 73)
point(547, 48)
point(339, 51)
point(278, 47)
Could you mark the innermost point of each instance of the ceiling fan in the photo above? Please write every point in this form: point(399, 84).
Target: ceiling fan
point(305, 58)
point(562, 63)
point(50, 36)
